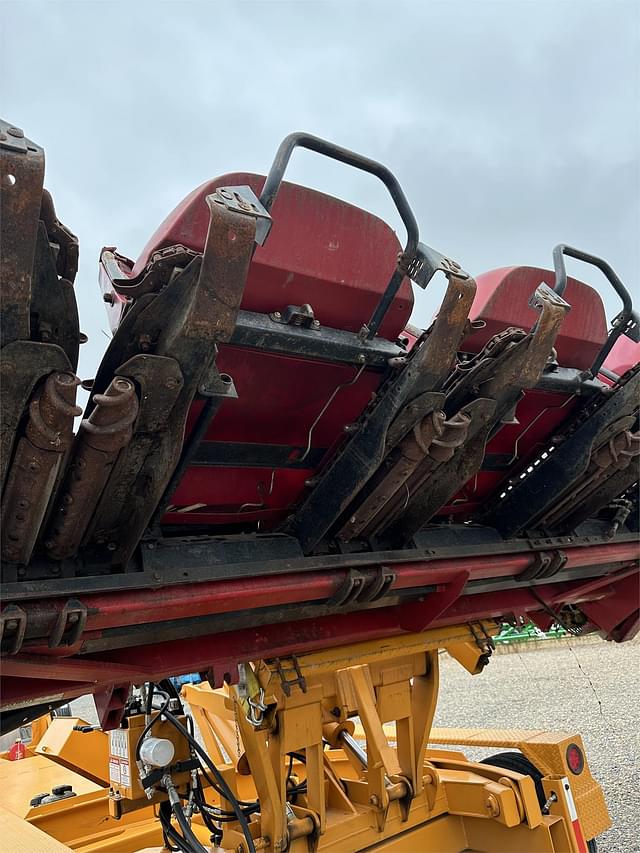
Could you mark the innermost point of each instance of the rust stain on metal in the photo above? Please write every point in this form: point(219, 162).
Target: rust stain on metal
point(100, 438)
point(436, 354)
point(36, 463)
point(21, 181)
point(225, 264)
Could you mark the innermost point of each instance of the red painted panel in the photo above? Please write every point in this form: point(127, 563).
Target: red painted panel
point(621, 601)
point(191, 600)
point(321, 251)
point(624, 355)
point(290, 402)
point(502, 300)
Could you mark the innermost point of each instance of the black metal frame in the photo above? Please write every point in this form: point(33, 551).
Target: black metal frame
point(324, 343)
point(626, 322)
point(167, 562)
point(554, 476)
point(365, 587)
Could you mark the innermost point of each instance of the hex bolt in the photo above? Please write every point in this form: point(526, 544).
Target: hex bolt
point(492, 806)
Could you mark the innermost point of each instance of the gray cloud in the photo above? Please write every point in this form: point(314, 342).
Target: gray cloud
point(511, 125)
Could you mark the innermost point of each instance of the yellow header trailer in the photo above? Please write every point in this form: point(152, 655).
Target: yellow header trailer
point(328, 751)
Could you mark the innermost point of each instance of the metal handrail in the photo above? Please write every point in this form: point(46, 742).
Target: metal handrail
point(350, 158)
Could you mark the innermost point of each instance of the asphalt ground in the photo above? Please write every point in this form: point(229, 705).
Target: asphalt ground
point(586, 686)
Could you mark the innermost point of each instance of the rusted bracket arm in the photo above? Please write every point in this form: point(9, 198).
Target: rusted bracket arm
point(21, 182)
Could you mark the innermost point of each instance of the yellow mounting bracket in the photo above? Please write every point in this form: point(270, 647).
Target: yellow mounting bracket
point(284, 711)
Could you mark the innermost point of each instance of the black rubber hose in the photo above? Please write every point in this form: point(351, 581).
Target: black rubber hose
point(189, 835)
point(225, 790)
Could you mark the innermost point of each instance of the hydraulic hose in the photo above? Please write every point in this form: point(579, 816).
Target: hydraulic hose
point(180, 816)
point(226, 791)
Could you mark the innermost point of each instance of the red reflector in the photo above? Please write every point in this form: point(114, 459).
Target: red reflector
point(575, 759)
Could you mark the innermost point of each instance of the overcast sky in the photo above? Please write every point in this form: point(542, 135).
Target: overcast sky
point(512, 126)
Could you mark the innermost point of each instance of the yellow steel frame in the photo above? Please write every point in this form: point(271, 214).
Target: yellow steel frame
point(384, 788)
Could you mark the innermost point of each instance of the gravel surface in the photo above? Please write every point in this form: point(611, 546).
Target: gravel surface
point(587, 686)
point(590, 687)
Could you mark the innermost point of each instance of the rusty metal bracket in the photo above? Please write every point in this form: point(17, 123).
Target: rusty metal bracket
point(100, 439)
point(483, 640)
point(155, 275)
point(177, 330)
point(21, 182)
point(427, 262)
point(402, 403)
point(244, 200)
point(13, 626)
point(36, 464)
point(22, 365)
point(69, 624)
point(448, 477)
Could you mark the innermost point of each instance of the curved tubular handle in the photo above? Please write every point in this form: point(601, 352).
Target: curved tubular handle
point(335, 152)
point(624, 320)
